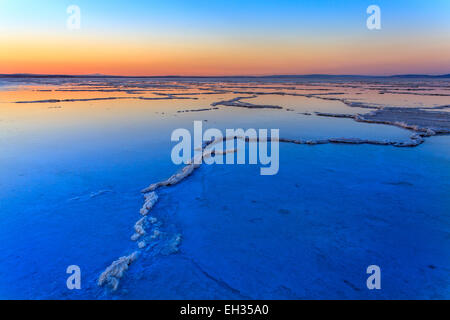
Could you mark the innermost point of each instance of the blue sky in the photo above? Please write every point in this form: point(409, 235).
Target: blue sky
point(282, 26)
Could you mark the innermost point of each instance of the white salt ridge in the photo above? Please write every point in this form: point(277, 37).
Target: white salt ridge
point(116, 270)
point(150, 200)
point(415, 139)
point(177, 177)
point(167, 97)
point(236, 102)
point(112, 275)
point(189, 168)
point(139, 226)
point(424, 123)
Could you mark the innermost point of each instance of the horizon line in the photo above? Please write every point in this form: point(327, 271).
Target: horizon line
point(95, 75)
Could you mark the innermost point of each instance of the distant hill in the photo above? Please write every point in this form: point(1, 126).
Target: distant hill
point(421, 76)
point(349, 76)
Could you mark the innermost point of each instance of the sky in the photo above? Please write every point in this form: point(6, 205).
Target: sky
point(215, 37)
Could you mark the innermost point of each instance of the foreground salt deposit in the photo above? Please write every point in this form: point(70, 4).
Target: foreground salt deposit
point(112, 275)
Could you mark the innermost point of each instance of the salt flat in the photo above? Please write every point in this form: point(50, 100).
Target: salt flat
point(376, 192)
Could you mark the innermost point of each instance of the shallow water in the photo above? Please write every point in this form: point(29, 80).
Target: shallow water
point(71, 174)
